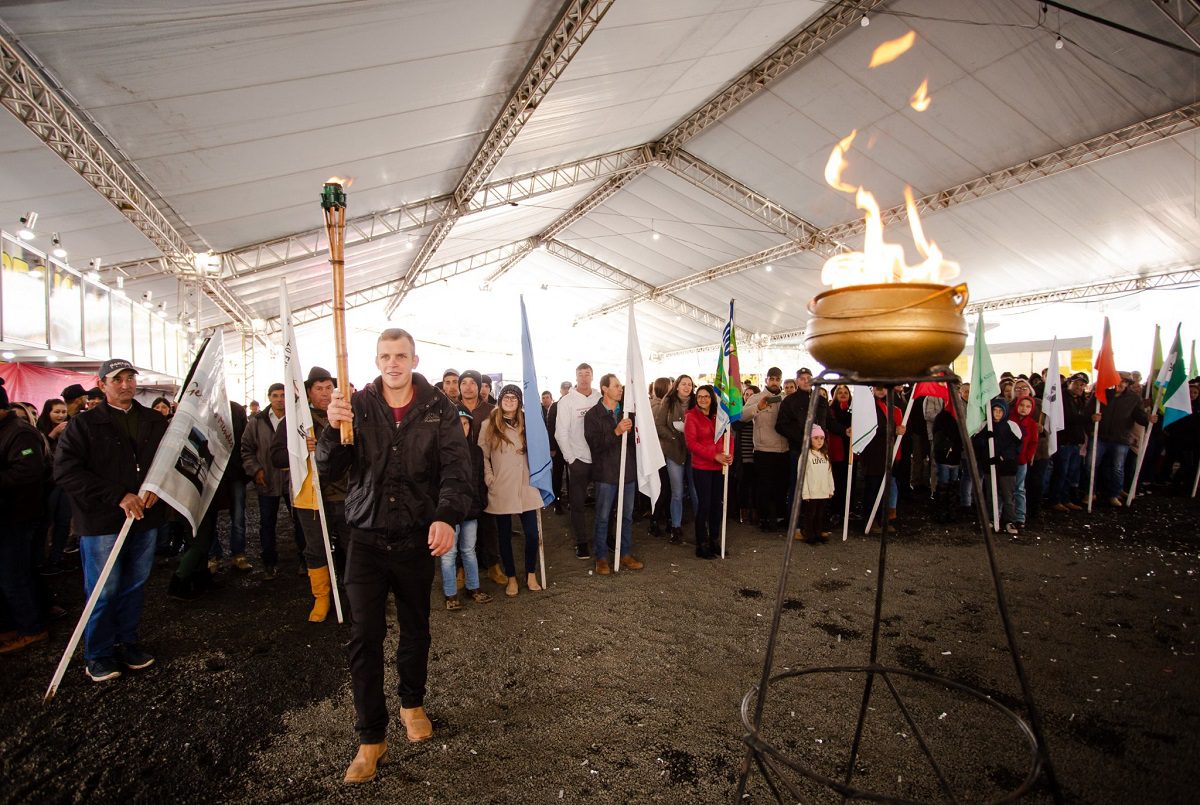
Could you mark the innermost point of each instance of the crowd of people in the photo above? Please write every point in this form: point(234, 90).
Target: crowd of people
point(438, 471)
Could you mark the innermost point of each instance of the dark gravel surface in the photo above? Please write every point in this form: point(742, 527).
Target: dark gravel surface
point(627, 688)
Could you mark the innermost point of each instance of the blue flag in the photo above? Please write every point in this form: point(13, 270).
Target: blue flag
point(537, 441)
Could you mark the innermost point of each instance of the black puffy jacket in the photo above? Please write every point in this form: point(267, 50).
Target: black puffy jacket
point(22, 468)
point(97, 466)
point(793, 412)
point(401, 477)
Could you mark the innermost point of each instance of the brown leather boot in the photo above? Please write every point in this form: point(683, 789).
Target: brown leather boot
point(318, 579)
point(416, 724)
point(363, 767)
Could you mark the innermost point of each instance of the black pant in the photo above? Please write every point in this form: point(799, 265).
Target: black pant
point(487, 543)
point(371, 573)
point(772, 472)
point(558, 468)
point(577, 483)
point(812, 514)
point(710, 485)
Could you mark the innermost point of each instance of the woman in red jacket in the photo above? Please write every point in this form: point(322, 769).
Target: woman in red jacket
point(700, 433)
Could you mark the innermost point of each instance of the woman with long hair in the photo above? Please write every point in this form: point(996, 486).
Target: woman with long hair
point(52, 422)
point(700, 431)
point(506, 473)
point(669, 422)
point(839, 448)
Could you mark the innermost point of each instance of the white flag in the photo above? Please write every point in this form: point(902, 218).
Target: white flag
point(1052, 400)
point(864, 422)
point(637, 401)
point(191, 459)
point(295, 409)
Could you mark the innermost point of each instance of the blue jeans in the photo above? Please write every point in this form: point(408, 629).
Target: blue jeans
point(606, 498)
point(676, 473)
point(268, 515)
point(464, 543)
point(1110, 468)
point(1064, 476)
point(947, 473)
point(17, 592)
point(1019, 493)
point(119, 608)
point(504, 533)
point(237, 525)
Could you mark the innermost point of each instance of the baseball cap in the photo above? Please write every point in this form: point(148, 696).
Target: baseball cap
point(110, 368)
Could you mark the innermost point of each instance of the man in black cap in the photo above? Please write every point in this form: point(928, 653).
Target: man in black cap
point(1067, 461)
point(75, 396)
point(102, 459)
point(409, 482)
point(450, 385)
point(22, 464)
point(319, 387)
point(270, 482)
point(94, 397)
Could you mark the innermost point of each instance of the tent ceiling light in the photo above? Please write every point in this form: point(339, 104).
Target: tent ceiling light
point(28, 222)
point(58, 250)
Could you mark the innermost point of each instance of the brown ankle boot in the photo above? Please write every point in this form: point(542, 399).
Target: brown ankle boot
point(416, 724)
point(363, 767)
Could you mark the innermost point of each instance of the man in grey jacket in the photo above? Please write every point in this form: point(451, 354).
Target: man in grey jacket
point(271, 483)
point(770, 451)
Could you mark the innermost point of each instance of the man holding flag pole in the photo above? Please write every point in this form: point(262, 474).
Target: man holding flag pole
point(305, 403)
point(729, 388)
point(116, 461)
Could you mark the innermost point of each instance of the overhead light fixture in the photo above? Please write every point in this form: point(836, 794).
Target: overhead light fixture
point(28, 222)
point(58, 250)
point(865, 21)
point(1058, 43)
point(258, 324)
point(408, 244)
point(120, 283)
point(8, 356)
point(770, 267)
point(51, 359)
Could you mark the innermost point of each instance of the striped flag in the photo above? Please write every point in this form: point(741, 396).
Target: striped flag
point(1172, 379)
point(729, 376)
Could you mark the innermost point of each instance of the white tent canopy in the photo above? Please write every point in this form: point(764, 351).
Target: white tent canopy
point(231, 115)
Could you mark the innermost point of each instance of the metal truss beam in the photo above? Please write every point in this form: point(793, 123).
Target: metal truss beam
point(1183, 15)
point(1153, 130)
point(628, 281)
point(278, 252)
point(384, 290)
point(723, 186)
point(1097, 290)
point(571, 28)
point(796, 50)
point(799, 48)
point(593, 200)
point(33, 99)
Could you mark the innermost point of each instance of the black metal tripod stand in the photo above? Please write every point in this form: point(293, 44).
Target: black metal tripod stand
point(769, 759)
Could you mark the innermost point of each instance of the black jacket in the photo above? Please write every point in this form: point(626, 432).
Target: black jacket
point(792, 413)
point(333, 490)
point(947, 441)
point(598, 429)
point(401, 477)
point(1077, 419)
point(551, 423)
point(97, 466)
point(22, 471)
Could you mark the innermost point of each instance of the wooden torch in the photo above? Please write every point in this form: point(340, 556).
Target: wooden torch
point(333, 202)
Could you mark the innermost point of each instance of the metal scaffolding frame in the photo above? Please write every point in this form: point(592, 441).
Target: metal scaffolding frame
point(571, 28)
point(29, 94)
point(1152, 130)
point(628, 281)
point(1184, 15)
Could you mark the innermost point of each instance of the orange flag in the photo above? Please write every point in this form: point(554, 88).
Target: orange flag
point(1106, 368)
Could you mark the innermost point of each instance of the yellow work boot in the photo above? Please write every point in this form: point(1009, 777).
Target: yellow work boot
point(363, 767)
point(416, 724)
point(318, 578)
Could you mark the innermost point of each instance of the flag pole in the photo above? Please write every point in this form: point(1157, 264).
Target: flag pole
point(725, 492)
point(337, 599)
point(849, 481)
point(1137, 469)
point(97, 589)
point(879, 497)
point(620, 498)
point(1196, 480)
point(992, 472)
point(1095, 444)
point(541, 549)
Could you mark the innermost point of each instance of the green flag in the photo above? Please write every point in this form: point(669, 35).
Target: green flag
point(1176, 401)
point(983, 382)
point(1156, 361)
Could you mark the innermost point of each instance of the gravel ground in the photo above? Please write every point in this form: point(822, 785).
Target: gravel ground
point(627, 688)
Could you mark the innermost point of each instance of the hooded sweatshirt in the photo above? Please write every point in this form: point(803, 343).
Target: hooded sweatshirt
point(1029, 433)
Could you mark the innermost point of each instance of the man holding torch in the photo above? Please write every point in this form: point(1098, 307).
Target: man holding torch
point(408, 486)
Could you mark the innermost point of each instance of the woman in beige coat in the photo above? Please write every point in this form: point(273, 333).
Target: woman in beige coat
point(506, 473)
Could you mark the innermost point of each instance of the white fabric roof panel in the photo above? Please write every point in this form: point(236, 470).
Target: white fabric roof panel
point(647, 66)
point(237, 111)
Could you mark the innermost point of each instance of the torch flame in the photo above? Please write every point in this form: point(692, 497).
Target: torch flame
point(892, 49)
point(339, 180)
point(920, 99)
point(934, 268)
point(837, 164)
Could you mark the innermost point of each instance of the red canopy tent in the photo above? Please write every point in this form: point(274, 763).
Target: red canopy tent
point(26, 382)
